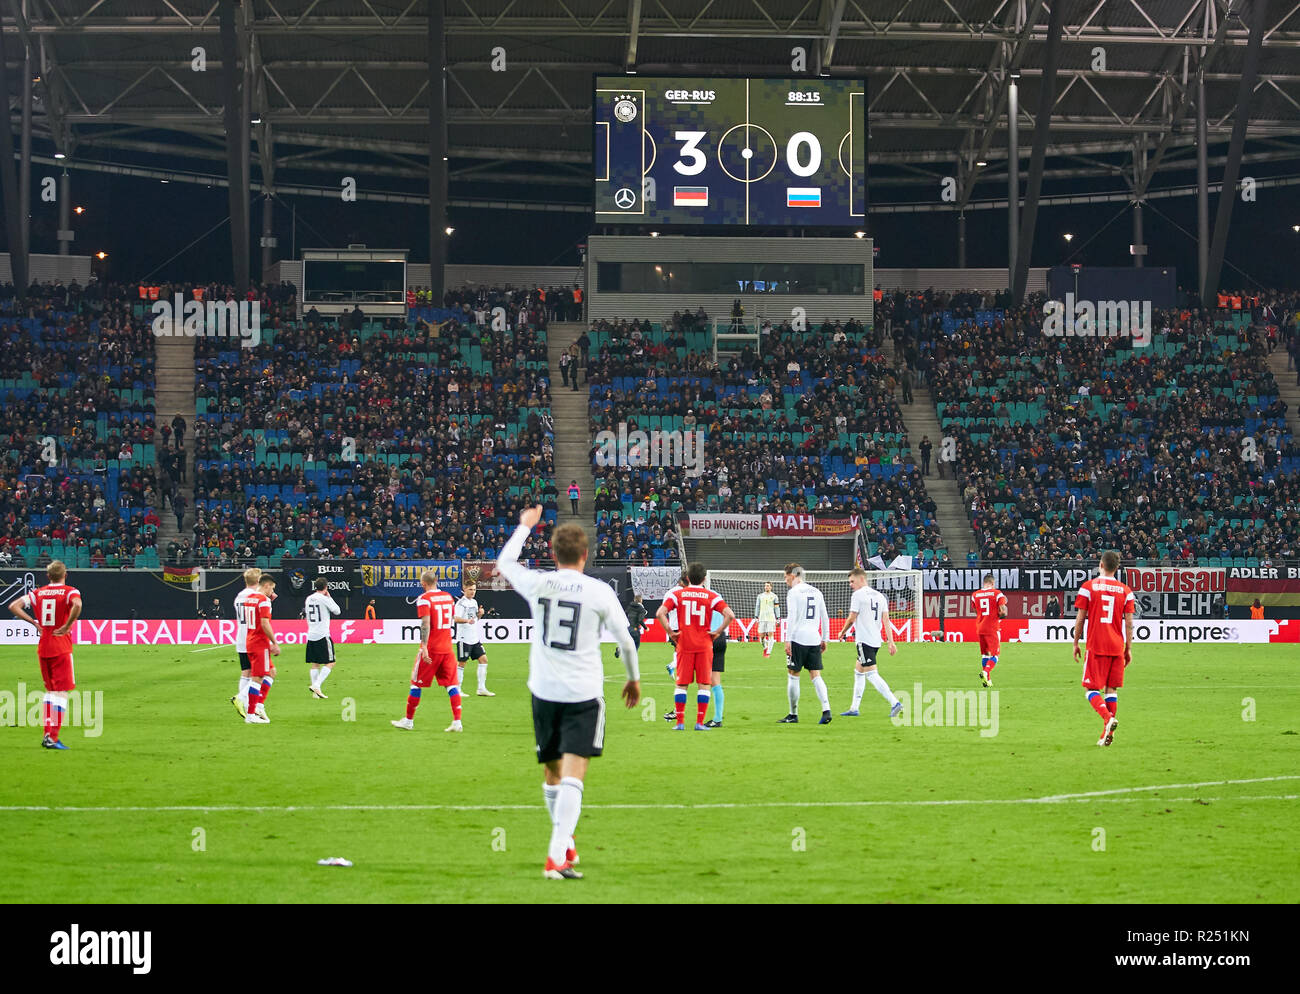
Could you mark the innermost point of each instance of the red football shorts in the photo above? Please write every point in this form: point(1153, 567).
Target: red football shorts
point(1100, 672)
point(57, 673)
point(990, 644)
point(259, 663)
point(695, 667)
point(441, 668)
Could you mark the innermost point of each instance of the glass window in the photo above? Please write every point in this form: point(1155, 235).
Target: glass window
point(730, 277)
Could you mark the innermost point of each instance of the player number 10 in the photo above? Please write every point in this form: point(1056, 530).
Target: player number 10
point(693, 161)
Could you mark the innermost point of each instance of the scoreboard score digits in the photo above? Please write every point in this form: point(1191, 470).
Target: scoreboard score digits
point(776, 152)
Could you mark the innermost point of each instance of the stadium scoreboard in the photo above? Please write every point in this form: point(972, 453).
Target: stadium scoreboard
point(734, 151)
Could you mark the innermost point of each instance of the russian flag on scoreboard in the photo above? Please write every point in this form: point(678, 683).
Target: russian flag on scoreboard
point(803, 196)
point(690, 196)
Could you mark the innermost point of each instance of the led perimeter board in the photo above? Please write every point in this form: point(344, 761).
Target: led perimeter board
point(735, 151)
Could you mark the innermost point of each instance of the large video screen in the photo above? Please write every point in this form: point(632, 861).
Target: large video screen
point(701, 150)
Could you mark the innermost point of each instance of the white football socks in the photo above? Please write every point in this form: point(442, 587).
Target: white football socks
point(482, 676)
point(819, 685)
point(859, 685)
point(325, 672)
point(550, 791)
point(792, 691)
point(568, 806)
point(882, 688)
point(460, 676)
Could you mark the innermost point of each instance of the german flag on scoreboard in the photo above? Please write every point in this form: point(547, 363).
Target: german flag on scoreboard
point(690, 196)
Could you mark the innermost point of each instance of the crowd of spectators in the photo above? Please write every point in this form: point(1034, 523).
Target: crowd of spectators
point(330, 441)
point(77, 427)
point(1178, 451)
point(805, 422)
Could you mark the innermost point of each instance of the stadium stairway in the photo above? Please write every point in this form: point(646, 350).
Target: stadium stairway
point(572, 425)
point(1286, 388)
point(175, 394)
point(920, 418)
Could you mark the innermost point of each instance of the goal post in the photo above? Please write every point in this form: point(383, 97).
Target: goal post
point(740, 589)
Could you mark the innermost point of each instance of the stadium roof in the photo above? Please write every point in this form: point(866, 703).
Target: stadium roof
point(341, 86)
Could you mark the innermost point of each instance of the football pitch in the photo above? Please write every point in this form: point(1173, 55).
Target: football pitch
point(979, 798)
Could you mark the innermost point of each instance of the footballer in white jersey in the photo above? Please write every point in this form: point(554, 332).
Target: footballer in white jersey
point(240, 700)
point(869, 619)
point(807, 630)
point(468, 617)
point(320, 647)
point(566, 673)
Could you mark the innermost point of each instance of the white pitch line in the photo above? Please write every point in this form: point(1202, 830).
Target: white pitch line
point(209, 648)
point(1105, 796)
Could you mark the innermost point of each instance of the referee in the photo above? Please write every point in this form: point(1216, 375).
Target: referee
point(636, 615)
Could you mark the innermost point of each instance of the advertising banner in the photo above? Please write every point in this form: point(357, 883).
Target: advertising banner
point(343, 576)
point(807, 526)
point(720, 525)
point(401, 578)
point(517, 630)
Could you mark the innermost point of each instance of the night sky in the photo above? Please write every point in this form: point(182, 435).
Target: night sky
point(144, 223)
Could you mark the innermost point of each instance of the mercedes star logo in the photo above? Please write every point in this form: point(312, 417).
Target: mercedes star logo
point(625, 198)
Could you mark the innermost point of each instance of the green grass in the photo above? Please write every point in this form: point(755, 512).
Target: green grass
point(713, 816)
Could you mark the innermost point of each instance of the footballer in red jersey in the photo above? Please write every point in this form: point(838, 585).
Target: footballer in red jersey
point(436, 660)
point(695, 606)
point(256, 610)
point(990, 608)
point(1108, 606)
point(52, 610)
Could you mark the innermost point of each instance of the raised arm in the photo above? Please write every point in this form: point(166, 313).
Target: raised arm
point(521, 577)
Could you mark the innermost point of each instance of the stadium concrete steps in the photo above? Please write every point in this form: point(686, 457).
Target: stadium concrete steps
point(572, 426)
point(1286, 388)
point(920, 418)
point(174, 362)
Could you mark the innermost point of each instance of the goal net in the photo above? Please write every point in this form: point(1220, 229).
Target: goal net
point(740, 589)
